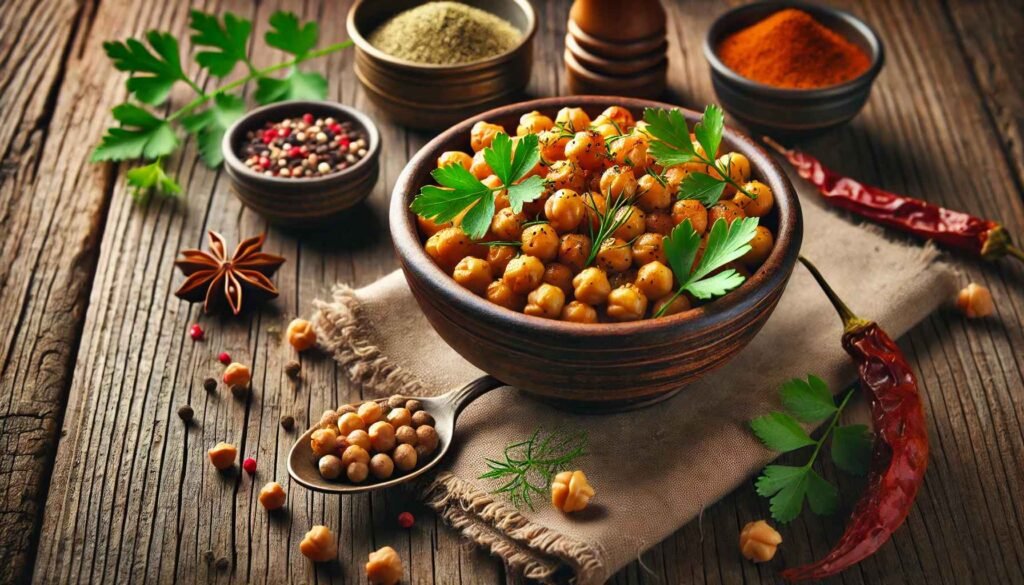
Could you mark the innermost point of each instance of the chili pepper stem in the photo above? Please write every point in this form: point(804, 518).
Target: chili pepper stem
point(851, 322)
point(1015, 252)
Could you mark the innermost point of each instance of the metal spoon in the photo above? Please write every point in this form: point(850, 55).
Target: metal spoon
point(302, 464)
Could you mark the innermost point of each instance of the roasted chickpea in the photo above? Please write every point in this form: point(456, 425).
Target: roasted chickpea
point(615, 255)
point(329, 419)
point(455, 157)
point(648, 248)
point(591, 286)
point(659, 222)
point(222, 455)
point(564, 174)
point(382, 436)
point(272, 496)
point(975, 301)
point(596, 205)
point(384, 567)
point(726, 210)
point(499, 256)
point(654, 280)
point(319, 545)
point(533, 123)
point(426, 437)
point(356, 437)
point(330, 467)
point(606, 130)
point(675, 305)
point(559, 275)
point(758, 207)
point(323, 442)
point(573, 250)
point(693, 210)
point(349, 422)
point(618, 181)
point(564, 210)
point(630, 150)
point(400, 417)
point(406, 435)
point(428, 227)
point(760, 247)
point(450, 246)
point(552, 146)
point(540, 240)
point(524, 273)
point(482, 135)
point(736, 166)
point(652, 194)
point(578, 312)
point(586, 149)
point(474, 274)
point(404, 457)
point(633, 222)
point(420, 418)
point(357, 471)
point(501, 294)
point(627, 303)
point(545, 301)
point(354, 454)
point(507, 224)
point(381, 466)
point(479, 168)
point(617, 279)
point(500, 197)
point(674, 177)
point(572, 119)
point(370, 412)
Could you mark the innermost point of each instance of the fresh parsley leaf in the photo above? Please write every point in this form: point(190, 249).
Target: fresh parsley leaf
point(780, 432)
point(672, 144)
point(700, 187)
point(726, 242)
point(142, 135)
point(297, 85)
point(716, 285)
point(681, 246)
point(525, 192)
point(809, 401)
point(776, 477)
point(789, 502)
point(148, 178)
point(851, 448)
point(709, 130)
point(230, 39)
point(821, 495)
point(510, 164)
point(458, 191)
point(287, 34)
point(210, 125)
point(161, 66)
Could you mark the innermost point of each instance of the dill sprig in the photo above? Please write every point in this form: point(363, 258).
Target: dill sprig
point(529, 466)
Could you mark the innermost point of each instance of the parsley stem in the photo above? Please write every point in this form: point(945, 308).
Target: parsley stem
point(253, 74)
point(828, 430)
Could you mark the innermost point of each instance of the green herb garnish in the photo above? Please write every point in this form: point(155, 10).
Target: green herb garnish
point(787, 486)
point(459, 190)
point(672, 146)
point(726, 242)
point(529, 466)
point(156, 68)
point(608, 221)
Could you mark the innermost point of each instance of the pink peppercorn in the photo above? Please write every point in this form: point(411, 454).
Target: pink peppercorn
point(196, 332)
point(295, 152)
point(406, 520)
point(344, 141)
point(249, 465)
point(269, 136)
point(224, 358)
point(307, 118)
point(335, 127)
point(284, 132)
point(264, 162)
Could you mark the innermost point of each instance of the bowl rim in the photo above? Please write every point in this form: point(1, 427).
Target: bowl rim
point(234, 165)
point(363, 44)
point(722, 26)
point(772, 274)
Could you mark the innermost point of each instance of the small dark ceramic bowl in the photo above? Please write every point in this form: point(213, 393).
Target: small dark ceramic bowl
point(785, 111)
point(428, 96)
point(301, 202)
point(604, 366)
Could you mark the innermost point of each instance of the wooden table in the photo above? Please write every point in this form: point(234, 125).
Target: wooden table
point(101, 481)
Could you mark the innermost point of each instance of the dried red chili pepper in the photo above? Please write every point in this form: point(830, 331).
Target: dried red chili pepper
point(955, 229)
point(900, 454)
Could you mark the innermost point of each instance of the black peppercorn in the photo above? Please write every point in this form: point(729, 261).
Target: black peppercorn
point(210, 384)
point(239, 391)
point(208, 556)
point(287, 422)
point(186, 413)
point(223, 563)
point(292, 369)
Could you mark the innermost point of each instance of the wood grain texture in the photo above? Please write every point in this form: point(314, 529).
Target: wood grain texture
point(132, 497)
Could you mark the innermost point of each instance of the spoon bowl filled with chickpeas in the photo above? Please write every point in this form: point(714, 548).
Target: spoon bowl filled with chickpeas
point(599, 252)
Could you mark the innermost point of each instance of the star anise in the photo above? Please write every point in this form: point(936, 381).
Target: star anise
point(213, 277)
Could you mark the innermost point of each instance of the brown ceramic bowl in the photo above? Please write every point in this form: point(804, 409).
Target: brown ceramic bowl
point(301, 202)
point(427, 96)
point(594, 366)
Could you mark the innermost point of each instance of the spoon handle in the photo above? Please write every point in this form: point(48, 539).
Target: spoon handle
point(459, 399)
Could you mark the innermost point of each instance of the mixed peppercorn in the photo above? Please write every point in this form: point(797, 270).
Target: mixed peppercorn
point(304, 147)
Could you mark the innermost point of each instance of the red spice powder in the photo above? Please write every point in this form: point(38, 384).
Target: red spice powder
point(792, 49)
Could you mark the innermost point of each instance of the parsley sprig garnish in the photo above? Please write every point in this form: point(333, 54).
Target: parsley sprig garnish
point(672, 146)
point(155, 68)
point(459, 190)
point(726, 242)
point(528, 467)
point(788, 486)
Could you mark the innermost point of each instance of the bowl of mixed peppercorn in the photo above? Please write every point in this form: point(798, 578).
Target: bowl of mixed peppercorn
point(302, 163)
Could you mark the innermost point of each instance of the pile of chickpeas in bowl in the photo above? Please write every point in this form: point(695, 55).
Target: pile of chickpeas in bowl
point(536, 261)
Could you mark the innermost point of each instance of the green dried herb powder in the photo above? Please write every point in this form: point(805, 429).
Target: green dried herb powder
point(445, 33)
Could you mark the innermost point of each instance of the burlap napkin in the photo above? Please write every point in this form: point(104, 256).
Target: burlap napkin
point(654, 469)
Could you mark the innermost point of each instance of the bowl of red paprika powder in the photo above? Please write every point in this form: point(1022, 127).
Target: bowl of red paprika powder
point(789, 68)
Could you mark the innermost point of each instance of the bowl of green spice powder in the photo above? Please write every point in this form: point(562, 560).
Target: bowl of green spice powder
point(431, 64)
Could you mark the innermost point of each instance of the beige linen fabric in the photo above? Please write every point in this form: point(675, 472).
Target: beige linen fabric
point(689, 451)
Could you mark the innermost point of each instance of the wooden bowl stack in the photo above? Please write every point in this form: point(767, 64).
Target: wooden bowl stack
point(616, 48)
